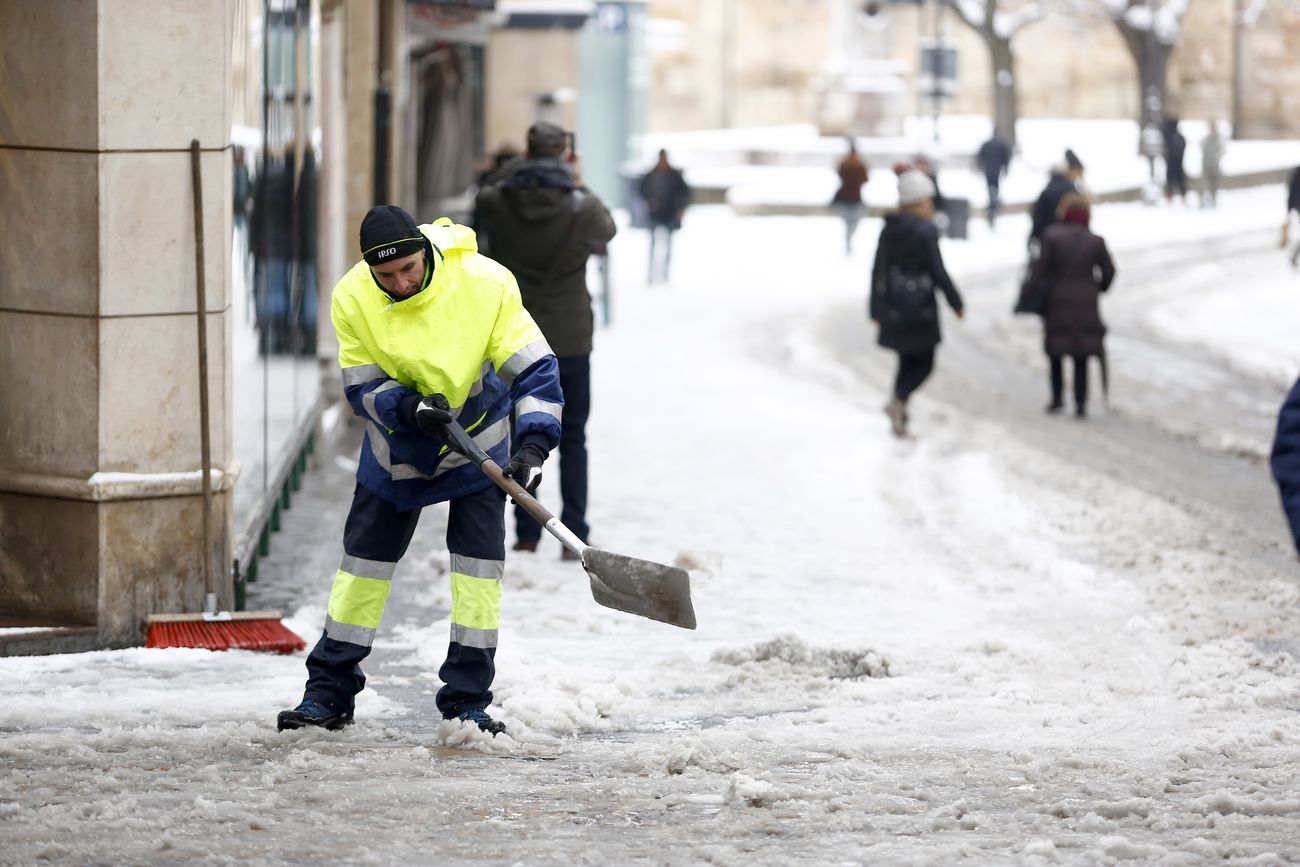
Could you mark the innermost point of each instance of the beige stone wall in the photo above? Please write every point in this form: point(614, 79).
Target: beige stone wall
point(741, 63)
point(521, 64)
point(1200, 71)
point(772, 56)
point(361, 59)
point(98, 336)
point(758, 70)
point(1271, 79)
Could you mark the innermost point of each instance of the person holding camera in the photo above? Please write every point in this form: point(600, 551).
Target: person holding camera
point(907, 272)
point(542, 224)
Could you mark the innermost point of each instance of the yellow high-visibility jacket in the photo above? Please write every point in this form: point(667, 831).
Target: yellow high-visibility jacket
point(465, 335)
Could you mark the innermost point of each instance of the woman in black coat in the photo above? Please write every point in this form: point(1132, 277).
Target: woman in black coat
point(907, 272)
point(1072, 272)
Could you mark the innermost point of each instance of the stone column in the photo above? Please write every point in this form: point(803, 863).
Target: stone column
point(100, 506)
point(360, 66)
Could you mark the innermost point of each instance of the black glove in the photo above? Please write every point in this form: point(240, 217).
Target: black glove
point(432, 415)
point(525, 467)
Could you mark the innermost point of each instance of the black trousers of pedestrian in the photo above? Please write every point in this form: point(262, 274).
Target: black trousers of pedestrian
point(575, 382)
point(375, 538)
point(661, 239)
point(1080, 380)
point(914, 368)
point(995, 203)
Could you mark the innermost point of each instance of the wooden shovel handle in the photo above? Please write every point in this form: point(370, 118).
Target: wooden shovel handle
point(460, 441)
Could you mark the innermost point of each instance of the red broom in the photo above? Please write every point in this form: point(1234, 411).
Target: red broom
point(226, 630)
point(214, 630)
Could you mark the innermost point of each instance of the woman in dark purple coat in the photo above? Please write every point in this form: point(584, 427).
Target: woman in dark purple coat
point(1073, 270)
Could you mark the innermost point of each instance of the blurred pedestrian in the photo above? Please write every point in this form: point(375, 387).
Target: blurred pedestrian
point(429, 331)
point(1292, 204)
point(993, 158)
point(847, 200)
point(1062, 178)
point(908, 270)
point(1285, 459)
point(1175, 149)
point(242, 188)
point(1212, 148)
point(666, 196)
point(273, 242)
point(305, 293)
point(1073, 268)
point(543, 224)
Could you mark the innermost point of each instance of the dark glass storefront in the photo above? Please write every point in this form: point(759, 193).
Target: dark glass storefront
point(274, 291)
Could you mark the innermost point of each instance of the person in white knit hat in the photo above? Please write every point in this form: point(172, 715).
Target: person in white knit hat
point(907, 272)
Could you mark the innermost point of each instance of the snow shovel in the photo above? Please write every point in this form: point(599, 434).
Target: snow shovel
point(638, 587)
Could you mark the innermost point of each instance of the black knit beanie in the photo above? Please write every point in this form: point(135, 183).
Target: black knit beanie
point(389, 233)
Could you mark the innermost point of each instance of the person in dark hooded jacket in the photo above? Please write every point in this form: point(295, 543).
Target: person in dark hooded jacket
point(1175, 150)
point(1285, 459)
point(539, 221)
point(908, 270)
point(1073, 269)
point(1064, 178)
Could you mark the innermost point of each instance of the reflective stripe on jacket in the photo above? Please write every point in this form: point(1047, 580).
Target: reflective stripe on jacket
point(465, 335)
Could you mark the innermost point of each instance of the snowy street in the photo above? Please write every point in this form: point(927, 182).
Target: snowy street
point(1013, 639)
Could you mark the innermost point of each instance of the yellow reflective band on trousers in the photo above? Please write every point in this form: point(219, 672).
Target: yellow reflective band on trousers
point(475, 602)
point(358, 601)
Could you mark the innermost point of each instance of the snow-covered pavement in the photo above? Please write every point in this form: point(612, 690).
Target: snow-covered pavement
point(972, 647)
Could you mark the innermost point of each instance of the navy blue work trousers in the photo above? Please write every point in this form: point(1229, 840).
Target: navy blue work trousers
point(378, 532)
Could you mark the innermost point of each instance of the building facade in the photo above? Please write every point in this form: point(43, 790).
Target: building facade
point(725, 63)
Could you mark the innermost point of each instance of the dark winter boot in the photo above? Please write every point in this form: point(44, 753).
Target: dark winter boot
point(313, 713)
point(897, 412)
point(1054, 407)
point(480, 718)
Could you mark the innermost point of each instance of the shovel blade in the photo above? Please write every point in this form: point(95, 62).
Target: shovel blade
point(640, 587)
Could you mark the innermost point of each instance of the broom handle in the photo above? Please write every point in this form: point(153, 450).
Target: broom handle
point(209, 583)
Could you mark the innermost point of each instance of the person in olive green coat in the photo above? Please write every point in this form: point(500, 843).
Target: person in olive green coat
point(536, 218)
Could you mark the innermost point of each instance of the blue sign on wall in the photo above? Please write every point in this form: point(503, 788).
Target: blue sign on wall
point(611, 18)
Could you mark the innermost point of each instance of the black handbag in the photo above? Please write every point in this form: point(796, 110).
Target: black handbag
point(910, 297)
point(1033, 295)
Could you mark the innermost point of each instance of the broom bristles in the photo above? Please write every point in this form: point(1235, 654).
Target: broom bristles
point(226, 635)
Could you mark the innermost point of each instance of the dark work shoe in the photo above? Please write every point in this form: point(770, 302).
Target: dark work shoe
point(312, 713)
point(1054, 407)
point(480, 717)
point(521, 545)
point(1080, 412)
